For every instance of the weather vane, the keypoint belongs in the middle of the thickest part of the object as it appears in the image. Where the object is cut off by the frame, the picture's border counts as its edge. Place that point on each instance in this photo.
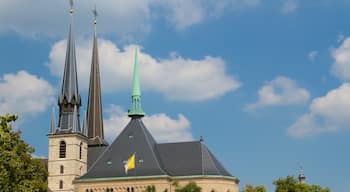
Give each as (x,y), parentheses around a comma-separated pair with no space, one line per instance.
(71,6)
(95,14)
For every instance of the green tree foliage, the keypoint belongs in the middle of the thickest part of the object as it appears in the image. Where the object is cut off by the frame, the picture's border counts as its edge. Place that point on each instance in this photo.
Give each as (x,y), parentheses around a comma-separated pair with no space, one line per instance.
(19,171)
(150,188)
(251,188)
(190,187)
(291,184)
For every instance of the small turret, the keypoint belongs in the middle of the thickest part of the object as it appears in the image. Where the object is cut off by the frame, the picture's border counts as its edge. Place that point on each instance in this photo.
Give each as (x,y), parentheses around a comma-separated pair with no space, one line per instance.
(53,121)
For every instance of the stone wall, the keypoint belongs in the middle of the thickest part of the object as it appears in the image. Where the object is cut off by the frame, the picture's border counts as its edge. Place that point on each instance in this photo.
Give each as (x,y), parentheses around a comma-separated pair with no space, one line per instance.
(208,184)
(73,166)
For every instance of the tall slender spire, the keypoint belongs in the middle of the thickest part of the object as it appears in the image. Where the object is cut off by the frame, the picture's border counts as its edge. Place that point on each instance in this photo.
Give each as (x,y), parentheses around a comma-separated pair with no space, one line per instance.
(94,106)
(136,109)
(69,98)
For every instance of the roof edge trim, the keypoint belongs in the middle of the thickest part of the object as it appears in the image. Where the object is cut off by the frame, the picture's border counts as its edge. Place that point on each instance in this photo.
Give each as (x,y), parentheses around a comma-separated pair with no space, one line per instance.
(156,177)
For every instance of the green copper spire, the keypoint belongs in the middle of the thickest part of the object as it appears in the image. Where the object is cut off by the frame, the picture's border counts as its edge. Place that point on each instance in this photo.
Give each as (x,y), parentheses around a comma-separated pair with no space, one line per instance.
(136,109)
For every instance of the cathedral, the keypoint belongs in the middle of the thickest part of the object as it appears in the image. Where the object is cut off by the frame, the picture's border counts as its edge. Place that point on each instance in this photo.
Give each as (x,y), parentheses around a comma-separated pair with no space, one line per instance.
(80,159)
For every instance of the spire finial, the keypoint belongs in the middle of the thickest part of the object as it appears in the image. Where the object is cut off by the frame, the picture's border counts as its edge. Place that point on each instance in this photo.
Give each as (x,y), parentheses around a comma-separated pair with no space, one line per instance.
(136,109)
(94,11)
(71,11)
(301,176)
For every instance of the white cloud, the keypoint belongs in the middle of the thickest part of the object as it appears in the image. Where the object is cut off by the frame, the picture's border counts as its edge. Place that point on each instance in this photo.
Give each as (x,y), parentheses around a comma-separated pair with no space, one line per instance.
(312,55)
(24,93)
(280,91)
(289,6)
(176,77)
(185,13)
(341,65)
(37,18)
(160,125)
(330,113)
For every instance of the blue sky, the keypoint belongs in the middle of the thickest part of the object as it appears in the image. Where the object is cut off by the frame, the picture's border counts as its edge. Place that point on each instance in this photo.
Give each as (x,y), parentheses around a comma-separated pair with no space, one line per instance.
(265,82)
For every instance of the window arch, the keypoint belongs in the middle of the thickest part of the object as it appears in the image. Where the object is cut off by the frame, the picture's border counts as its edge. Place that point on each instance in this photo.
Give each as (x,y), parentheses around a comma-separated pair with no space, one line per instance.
(62,149)
(61,169)
(132,189)
(80,150)
(61,184)
(128,189)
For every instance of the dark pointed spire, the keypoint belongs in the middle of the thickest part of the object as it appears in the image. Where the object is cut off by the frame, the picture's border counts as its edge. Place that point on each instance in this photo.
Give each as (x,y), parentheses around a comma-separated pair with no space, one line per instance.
(70,91)
(69,99)
(136,109)
(53,122)
(94,106)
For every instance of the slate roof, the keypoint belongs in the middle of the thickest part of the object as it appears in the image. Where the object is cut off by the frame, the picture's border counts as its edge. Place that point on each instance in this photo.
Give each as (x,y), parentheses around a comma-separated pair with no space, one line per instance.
(189,158)
(152,159)
(135,138)
(93,153)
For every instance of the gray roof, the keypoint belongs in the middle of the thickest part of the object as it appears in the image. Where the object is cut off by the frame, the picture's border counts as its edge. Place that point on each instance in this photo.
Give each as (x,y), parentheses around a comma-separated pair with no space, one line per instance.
(93,153)
(152,159)
(189,158)
(135,138)
(94,106)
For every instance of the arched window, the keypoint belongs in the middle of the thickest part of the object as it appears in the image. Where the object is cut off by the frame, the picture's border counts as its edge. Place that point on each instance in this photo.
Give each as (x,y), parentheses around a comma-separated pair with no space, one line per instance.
(80,150)
(61,184)
(61,169)
(128,189)
(132,189)
(62,149)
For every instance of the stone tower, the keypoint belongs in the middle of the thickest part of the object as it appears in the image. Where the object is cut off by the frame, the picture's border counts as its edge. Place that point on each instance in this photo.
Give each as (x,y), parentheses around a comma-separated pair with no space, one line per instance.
(67,157)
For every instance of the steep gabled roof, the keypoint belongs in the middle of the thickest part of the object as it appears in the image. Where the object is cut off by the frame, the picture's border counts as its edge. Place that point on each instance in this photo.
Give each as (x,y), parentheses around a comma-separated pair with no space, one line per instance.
(135,138)
(188,159)
(93,153)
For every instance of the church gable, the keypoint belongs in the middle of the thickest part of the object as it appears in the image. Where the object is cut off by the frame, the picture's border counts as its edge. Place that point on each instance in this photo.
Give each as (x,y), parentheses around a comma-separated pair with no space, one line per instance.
(134,139)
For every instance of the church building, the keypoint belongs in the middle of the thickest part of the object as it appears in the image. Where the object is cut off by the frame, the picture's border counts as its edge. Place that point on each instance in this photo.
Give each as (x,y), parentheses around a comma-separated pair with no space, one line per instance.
(80,159)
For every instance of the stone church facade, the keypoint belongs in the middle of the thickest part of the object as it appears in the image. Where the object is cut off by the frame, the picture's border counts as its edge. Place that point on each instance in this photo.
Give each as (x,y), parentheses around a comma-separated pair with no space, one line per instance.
(80,159)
